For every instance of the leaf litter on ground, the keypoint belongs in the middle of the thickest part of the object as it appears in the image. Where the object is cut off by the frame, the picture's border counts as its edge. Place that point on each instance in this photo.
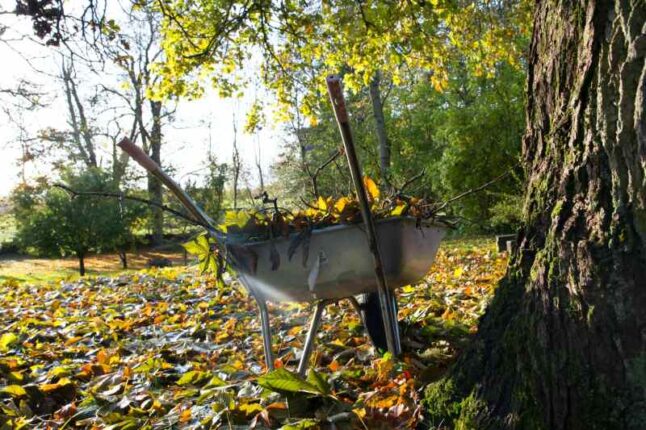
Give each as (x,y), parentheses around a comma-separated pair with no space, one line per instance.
(169,348)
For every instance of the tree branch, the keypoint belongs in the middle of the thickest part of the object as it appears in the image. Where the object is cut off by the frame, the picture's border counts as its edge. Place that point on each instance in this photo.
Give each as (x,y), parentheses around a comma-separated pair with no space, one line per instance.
(475,190)
(76,193)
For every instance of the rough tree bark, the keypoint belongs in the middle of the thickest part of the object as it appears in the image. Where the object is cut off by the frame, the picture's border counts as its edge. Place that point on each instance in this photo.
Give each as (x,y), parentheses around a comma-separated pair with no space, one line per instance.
(563,344)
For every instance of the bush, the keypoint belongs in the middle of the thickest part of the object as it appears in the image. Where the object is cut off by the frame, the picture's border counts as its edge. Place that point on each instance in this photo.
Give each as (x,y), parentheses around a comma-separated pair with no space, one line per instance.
(50,222)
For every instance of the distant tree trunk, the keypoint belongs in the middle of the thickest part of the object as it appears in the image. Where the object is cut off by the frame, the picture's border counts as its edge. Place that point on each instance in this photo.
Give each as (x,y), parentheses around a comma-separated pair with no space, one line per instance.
(154,186)
(380,129)
(563,344)
(236,162)
(259,166)
(81,258)
(81,131)
(123,256)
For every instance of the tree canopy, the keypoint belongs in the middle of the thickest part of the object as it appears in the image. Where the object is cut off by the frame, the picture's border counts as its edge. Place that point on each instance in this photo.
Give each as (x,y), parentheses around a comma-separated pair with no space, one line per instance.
(298,42)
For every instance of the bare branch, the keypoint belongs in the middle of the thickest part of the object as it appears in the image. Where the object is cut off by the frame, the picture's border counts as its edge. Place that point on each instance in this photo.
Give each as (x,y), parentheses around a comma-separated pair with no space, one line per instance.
(75,193)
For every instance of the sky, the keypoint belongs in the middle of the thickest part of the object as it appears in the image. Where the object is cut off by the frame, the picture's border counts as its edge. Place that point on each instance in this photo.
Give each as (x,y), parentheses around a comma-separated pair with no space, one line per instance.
(186,140)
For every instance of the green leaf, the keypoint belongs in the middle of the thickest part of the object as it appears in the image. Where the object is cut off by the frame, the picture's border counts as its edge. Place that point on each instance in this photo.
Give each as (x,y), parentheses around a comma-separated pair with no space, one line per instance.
(193,377)
(317,380)
(197,246)
(307,423)
(282,380)
(7,340)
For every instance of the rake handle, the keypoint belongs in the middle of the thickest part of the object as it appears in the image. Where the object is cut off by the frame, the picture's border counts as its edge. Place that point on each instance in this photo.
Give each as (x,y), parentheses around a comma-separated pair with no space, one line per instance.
(150,165)
(137,154)
(385,295)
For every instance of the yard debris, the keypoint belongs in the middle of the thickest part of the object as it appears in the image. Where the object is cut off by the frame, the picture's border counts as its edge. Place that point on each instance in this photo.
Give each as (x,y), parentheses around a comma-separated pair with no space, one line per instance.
(168,348)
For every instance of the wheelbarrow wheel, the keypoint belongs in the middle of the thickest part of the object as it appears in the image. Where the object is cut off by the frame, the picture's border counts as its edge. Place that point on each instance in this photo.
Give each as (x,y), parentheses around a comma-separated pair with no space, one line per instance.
(373,320)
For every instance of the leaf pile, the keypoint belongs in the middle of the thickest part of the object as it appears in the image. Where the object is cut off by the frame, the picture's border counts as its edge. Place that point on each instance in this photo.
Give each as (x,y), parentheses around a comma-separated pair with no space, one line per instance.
(170,349)
(243,226)
(324,212)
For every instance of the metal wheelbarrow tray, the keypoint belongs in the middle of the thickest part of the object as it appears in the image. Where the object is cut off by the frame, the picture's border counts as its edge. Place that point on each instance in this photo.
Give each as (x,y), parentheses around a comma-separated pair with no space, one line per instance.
(339,266)
(339,263)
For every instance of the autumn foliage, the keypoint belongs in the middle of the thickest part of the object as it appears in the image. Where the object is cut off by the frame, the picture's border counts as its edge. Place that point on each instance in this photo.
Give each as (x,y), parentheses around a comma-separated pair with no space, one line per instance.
(165,348)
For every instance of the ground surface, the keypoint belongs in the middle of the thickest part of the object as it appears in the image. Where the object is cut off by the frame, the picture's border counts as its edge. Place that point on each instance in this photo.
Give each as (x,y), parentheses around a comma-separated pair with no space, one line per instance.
(170,349)
(28,269)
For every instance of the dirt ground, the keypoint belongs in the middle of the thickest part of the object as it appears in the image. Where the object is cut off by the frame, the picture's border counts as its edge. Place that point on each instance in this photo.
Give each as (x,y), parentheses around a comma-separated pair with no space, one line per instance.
(25,268)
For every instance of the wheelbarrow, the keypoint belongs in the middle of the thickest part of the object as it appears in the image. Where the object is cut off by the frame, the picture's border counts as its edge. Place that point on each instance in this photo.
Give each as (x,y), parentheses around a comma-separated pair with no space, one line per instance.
(339,265)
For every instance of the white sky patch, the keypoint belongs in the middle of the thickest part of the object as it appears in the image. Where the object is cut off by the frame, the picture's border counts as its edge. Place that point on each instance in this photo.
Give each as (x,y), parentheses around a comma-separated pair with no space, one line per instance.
(186,139)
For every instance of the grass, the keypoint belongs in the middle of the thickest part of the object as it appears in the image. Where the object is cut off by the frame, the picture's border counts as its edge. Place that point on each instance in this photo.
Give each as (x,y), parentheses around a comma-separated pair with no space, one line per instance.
(34,270)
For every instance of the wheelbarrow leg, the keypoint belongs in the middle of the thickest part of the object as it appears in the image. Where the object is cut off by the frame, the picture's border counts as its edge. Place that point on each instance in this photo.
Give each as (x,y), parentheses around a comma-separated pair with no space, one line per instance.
(374,322)
(311,336)
(266,333)
(395,323)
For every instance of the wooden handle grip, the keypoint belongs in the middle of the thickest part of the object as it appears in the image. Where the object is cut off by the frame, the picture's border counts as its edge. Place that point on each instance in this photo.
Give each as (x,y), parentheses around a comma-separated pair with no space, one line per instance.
(336,96)
(138,155)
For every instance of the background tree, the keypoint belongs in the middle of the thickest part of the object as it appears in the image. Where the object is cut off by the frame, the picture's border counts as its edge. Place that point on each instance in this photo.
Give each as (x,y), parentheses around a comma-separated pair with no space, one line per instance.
(51,222)
(562,344)
(134,50)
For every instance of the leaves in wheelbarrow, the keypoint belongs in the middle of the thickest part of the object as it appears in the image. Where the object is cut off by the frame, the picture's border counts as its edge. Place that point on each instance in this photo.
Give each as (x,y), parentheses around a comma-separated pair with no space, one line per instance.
(202,247)
(302,239)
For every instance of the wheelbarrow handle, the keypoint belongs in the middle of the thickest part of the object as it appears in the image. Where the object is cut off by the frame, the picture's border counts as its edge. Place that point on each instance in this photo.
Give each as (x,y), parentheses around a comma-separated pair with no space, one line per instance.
(385,298)
(150,165)
(137,154)
(336,96)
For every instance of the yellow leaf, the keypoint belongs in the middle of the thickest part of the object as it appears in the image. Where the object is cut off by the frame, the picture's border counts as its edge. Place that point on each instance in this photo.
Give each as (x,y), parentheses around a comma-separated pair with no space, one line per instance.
(7,340)
(458,272)
(102,357)
(334,366)
(250,408)
(72,340)
(235,219)
(321,204)
(448,314)
(371,188)
(185,416)
(341,204)
(408,289)
(46,388)
(14,390)
(360,412)
(398,210)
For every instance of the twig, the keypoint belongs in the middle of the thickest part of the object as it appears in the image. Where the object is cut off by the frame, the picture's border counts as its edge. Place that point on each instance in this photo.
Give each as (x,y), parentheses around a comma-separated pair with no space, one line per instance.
(328,162)
(475,190)
(307,204)
(76,193)
(411,180)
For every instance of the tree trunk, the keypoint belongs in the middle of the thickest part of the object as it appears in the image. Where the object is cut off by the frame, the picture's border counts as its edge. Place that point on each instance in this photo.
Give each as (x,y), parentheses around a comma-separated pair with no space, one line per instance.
(235,161)
(154,185)
(123,256)
(81,258)
(563,343)
(380,129)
